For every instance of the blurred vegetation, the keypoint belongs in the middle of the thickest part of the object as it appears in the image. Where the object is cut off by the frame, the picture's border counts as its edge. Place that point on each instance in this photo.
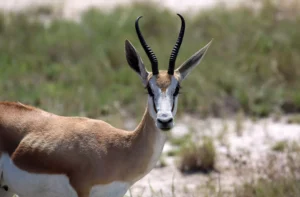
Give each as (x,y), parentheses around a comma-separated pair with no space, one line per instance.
(79,67)
(286,186)
(279,178)
(194,157)
(294,119)
(280,146)
(286,146)
(180,141)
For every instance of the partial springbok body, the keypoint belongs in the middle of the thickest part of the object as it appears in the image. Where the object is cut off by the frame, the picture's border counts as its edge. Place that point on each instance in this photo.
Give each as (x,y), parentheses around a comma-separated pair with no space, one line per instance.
(46,155)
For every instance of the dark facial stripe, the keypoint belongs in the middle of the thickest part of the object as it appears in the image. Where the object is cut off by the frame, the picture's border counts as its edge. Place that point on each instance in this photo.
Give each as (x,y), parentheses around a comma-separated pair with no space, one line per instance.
(173,103)
(150,92)
(176,92)
(154,106)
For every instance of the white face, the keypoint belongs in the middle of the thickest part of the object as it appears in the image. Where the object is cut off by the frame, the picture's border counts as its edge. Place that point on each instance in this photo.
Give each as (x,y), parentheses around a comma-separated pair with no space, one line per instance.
(162,103)
(163,91)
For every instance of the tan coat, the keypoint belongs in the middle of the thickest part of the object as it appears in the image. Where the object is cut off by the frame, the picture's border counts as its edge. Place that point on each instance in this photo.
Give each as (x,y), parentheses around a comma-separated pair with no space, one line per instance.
(88,151)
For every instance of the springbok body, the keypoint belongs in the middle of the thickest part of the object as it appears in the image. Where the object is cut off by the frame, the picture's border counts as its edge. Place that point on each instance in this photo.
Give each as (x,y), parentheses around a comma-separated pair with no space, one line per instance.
(46,155)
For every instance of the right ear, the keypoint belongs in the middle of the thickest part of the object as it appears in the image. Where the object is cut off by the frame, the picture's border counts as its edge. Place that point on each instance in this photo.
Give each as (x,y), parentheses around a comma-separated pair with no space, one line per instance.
(192,62)
(135,62)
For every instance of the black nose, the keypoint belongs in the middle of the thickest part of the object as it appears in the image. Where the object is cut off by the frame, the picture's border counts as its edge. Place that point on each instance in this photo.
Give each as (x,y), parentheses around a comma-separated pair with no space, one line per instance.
(165,121)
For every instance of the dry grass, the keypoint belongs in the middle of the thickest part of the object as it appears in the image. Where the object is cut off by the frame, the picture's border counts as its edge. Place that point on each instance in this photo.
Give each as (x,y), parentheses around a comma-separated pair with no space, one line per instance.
(294,119)
(194,157)
(239,121)
(280,146)
(279,177)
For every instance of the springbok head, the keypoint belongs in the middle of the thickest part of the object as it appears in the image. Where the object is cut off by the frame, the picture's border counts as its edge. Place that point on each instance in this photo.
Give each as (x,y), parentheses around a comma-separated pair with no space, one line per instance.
(163,86)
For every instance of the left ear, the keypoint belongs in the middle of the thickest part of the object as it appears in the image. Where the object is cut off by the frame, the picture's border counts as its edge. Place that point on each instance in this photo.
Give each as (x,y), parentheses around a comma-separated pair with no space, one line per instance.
(192,62)
(135,62)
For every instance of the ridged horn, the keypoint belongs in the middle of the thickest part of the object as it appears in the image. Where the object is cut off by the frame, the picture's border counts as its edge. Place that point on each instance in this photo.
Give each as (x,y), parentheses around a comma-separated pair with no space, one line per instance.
(176,47)
(147,49)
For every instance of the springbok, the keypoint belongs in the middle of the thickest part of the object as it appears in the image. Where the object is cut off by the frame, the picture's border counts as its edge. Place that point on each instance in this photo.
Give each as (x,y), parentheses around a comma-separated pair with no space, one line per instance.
(46,155)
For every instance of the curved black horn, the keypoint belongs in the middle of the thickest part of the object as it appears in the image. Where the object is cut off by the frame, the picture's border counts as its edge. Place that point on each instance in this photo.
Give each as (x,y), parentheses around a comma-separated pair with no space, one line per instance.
(176,47)
(147,49)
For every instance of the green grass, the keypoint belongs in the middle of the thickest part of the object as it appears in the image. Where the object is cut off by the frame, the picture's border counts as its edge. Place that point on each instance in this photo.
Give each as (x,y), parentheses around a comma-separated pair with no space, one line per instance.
(180,141)
(284,145)
(79,68)
(280,146)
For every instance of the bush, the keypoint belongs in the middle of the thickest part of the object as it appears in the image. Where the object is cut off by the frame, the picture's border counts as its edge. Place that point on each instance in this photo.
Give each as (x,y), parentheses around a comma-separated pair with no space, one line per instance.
(194,157)
(253,59)
(280,146)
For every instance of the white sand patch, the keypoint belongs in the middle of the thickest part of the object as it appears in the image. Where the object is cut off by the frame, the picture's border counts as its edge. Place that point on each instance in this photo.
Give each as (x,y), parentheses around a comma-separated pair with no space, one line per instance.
(250,146)
(74,7)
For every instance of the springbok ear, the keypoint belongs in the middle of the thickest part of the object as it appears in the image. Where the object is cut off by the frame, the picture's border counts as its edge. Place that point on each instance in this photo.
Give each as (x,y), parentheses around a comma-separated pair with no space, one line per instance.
(135,62)
(192,62)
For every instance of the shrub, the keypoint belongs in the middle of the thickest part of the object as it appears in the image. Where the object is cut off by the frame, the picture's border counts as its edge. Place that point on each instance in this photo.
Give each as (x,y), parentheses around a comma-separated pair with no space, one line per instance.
(194,157)
(49,64)
(280,146)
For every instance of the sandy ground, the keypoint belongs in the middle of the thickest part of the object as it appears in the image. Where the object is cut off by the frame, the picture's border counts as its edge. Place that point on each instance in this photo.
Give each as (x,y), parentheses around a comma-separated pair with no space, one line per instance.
(238,142)
(74,7)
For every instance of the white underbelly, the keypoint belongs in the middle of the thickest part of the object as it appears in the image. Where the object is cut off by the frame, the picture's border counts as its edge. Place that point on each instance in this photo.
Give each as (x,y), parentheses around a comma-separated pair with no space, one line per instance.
(34,185)
(26,184)
(114,189)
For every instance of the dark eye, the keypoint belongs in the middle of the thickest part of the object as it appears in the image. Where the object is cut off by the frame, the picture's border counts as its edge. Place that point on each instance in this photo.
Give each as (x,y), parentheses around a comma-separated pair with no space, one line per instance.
(176,92)
(150,92)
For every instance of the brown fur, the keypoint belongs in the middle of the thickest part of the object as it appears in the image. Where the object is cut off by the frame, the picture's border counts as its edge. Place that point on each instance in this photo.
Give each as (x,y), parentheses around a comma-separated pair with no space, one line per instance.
(163,79)
(89,152)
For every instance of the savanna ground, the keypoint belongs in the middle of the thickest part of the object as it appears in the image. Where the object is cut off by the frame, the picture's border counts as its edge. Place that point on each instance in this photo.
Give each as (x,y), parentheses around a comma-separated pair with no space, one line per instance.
(237,130)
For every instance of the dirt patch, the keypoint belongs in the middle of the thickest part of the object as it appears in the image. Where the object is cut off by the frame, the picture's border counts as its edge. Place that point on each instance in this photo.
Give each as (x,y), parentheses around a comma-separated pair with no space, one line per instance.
(239,156)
